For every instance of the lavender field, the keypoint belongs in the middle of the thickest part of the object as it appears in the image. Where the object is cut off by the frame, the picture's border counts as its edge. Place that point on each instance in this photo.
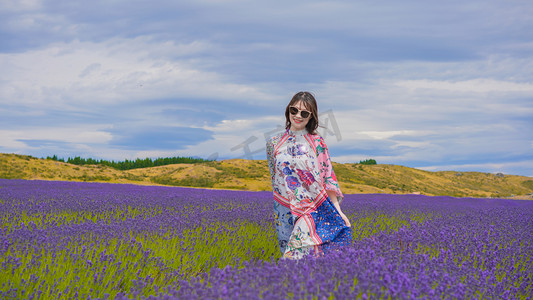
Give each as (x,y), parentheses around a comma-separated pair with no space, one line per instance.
(96,240)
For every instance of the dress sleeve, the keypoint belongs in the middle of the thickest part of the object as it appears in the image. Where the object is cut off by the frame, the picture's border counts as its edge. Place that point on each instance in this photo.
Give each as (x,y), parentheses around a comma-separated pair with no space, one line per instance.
(270,158)
(326,169)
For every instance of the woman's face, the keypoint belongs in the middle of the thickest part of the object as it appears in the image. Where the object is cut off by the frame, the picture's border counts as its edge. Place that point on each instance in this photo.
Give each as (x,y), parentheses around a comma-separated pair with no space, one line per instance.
(297,121)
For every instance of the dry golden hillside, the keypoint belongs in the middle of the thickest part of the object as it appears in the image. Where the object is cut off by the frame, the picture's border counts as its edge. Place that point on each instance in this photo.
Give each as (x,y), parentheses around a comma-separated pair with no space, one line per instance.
(254,175)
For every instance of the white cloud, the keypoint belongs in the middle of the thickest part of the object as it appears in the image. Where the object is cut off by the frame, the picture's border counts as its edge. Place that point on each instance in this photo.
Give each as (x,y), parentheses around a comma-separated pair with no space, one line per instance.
(251,126)
(504,167)
(469,86)
(230,134)
(411,144)
(118,70)
(380,135)
(20,5)
(81,134)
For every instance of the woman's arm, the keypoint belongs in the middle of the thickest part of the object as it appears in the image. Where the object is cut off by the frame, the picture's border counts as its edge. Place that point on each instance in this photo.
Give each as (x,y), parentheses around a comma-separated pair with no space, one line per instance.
(328,177)
(326,169)
(333,197)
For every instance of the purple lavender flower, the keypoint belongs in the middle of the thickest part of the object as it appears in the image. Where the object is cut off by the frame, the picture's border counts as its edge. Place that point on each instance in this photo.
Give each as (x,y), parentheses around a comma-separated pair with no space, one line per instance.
(405,246)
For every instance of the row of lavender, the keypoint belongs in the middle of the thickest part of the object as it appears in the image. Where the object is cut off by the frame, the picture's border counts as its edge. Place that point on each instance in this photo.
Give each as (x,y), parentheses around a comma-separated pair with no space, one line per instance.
(80,240)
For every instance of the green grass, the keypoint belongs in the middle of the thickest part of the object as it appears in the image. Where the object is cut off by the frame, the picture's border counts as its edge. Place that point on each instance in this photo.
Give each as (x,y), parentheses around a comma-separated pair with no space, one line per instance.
(374,223)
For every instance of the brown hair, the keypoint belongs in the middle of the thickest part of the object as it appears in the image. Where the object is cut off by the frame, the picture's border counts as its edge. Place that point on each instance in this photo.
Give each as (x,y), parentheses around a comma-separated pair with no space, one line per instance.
(310,104)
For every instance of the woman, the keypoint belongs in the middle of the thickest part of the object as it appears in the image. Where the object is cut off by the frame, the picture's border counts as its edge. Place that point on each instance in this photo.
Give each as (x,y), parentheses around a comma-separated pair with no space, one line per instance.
(308,217)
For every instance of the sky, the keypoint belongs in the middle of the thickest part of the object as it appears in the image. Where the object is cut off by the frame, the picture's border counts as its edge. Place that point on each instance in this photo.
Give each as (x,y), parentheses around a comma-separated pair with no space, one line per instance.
(434,85)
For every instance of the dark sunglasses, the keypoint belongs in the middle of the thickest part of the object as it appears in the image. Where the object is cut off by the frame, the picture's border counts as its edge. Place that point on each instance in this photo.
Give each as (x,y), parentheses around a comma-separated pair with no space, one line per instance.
(304,113)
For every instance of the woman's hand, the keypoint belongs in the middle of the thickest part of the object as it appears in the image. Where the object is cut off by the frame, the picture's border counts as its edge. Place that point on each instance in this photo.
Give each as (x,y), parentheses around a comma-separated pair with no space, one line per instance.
(333,198)
(345,218)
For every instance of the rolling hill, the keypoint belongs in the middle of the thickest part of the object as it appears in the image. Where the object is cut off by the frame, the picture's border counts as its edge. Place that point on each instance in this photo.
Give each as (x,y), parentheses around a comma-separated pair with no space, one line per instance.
(254,175)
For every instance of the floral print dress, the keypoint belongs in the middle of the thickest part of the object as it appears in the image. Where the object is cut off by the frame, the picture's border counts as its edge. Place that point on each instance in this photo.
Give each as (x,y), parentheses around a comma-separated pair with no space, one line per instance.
(305,219)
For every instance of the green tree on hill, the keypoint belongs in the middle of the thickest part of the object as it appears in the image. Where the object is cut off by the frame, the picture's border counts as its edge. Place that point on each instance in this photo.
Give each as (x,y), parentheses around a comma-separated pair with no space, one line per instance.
(130,164)
(368,162)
